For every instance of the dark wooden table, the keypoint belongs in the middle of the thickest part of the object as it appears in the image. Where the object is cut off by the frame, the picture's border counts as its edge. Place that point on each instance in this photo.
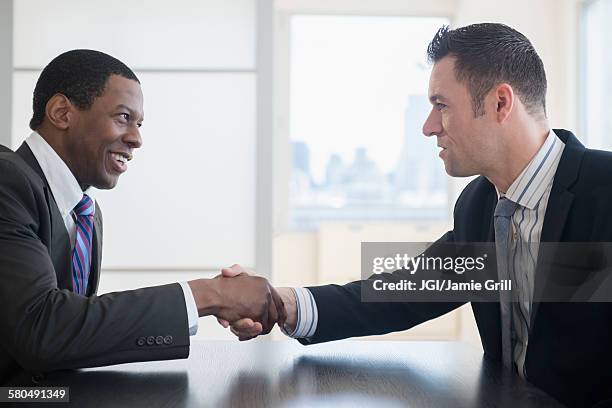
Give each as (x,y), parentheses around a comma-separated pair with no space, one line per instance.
(286,374)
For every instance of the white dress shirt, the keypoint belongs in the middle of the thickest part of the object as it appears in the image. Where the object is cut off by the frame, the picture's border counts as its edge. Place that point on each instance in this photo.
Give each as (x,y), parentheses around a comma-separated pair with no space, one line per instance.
(67,194)
(530,190)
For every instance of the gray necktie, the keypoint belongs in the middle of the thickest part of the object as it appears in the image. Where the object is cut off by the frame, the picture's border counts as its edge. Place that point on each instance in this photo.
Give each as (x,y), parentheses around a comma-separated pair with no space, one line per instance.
(503,215)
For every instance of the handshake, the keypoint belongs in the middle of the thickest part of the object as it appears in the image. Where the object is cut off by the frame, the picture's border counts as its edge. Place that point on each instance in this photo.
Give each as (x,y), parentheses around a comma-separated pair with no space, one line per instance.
(247,304)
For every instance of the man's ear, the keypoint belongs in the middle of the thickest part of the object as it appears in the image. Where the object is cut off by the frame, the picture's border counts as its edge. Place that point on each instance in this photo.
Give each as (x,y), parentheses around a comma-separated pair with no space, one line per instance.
(504,99)
(59,111)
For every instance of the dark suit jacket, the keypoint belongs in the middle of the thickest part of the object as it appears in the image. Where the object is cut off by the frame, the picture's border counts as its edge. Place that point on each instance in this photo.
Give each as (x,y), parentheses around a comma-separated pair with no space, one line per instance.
(569,354)
(43,325)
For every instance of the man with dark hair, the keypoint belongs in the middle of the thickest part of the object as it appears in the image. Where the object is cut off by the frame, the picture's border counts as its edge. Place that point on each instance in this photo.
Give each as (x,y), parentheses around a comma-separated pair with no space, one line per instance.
(488,54)
(534,184)
(88,109)
(81,86)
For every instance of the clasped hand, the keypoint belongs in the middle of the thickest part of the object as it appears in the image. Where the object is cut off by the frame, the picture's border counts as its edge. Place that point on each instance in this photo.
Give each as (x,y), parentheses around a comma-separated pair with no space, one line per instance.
(247,327)
(247,304)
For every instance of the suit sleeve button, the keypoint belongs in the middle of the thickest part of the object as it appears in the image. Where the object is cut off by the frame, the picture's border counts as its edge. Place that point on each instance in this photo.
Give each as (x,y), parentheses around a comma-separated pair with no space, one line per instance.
(150,340)
(141,341)
(168,340)
(159,340)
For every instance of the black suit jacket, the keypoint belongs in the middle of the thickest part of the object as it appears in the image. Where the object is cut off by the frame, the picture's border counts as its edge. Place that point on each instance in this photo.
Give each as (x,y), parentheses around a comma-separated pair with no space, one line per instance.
(569,354)
(43,325)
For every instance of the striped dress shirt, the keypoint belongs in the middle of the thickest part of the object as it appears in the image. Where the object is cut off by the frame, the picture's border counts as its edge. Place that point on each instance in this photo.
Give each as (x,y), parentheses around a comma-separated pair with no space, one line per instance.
(530,191)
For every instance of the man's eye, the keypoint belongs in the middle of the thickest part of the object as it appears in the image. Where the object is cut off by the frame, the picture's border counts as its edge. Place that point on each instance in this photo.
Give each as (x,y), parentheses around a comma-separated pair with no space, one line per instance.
(440,106)
(125,116)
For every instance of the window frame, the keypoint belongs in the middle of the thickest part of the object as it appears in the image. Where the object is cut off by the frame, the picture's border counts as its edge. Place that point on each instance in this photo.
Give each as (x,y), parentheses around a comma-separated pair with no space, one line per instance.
(285,11)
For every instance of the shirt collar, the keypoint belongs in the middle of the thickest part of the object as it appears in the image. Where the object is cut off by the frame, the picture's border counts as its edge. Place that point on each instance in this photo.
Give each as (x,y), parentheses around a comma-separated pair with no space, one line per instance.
(529,187)
(64,186)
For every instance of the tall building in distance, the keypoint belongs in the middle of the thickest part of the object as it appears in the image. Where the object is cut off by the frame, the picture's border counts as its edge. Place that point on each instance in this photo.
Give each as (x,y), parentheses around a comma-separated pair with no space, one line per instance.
(418,168)
(335,171)
(300,185)
(300,157)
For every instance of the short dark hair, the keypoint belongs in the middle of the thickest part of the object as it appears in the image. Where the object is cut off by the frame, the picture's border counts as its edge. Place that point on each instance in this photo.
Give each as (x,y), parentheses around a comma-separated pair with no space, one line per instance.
(488,54)
(80,75)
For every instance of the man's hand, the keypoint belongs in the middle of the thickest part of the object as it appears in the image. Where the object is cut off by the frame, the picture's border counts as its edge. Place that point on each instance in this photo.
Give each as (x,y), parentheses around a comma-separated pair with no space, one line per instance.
(239,297)
(246,329)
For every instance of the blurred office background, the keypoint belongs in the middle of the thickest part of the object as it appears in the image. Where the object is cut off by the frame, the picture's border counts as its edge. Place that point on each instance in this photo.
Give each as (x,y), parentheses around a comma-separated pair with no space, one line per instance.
(293,125)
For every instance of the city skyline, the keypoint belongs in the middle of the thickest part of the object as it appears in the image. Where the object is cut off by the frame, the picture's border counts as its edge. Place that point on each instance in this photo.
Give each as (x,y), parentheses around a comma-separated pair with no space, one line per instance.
(359,189)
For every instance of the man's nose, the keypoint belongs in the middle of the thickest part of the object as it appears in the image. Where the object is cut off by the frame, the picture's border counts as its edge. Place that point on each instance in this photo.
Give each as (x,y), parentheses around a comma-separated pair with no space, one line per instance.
(433,123)
(133,137)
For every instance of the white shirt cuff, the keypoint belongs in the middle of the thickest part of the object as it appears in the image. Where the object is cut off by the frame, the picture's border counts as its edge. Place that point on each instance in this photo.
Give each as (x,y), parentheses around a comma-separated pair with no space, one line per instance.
(307,314)
(192,310)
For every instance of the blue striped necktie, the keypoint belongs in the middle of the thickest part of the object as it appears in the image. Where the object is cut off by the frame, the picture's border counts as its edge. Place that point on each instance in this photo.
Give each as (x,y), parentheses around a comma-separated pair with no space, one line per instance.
(81,255)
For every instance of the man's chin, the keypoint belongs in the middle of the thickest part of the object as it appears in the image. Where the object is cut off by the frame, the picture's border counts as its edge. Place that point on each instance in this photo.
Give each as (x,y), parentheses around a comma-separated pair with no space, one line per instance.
(449,169)
(107,184)
(455,171)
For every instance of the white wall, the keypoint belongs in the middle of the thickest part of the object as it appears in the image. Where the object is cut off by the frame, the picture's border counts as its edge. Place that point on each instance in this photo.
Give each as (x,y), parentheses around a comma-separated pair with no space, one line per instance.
(188,199)
(188,34)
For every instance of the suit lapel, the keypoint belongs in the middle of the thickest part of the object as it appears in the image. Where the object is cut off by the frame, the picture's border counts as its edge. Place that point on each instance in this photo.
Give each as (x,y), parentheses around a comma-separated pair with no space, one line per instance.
(60,248)
(557,210)
(59,244)
(480,228)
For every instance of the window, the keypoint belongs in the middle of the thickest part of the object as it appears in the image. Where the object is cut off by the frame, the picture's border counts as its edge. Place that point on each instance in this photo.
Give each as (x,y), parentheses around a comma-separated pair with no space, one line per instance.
(358,100)
(596,69)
